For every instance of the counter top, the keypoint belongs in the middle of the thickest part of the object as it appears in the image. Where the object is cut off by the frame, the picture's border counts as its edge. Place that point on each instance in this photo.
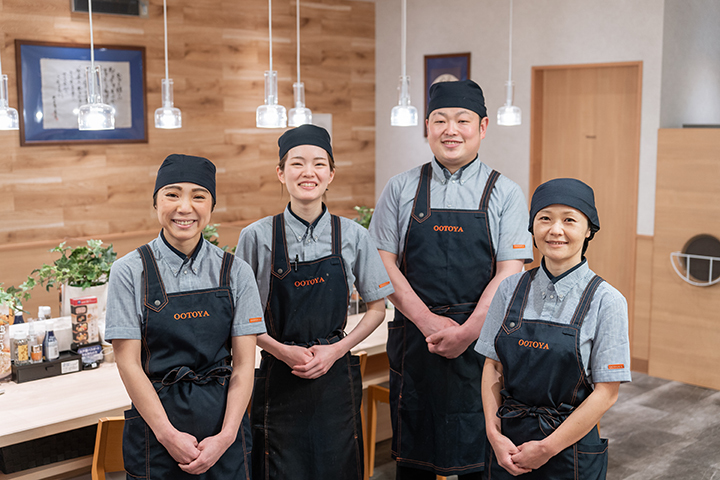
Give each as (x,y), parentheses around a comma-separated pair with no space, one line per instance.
(53,405)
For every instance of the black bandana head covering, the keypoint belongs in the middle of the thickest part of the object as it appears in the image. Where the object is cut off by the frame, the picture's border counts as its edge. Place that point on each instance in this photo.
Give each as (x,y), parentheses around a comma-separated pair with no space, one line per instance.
(305,135)
(566,191)
(462,94)
(179,168)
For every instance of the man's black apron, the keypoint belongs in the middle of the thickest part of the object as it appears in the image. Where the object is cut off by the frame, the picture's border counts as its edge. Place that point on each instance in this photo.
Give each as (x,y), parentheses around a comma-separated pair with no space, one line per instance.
(307,429)
(186,356)
(436,406)
(545,381)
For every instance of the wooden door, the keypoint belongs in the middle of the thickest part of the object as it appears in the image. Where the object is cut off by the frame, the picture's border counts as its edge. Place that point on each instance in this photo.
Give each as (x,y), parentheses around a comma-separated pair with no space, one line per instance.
(586,124)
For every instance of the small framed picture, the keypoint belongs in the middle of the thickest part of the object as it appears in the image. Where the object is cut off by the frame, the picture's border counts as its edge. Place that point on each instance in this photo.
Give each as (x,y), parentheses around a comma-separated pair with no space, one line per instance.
(52,86)
(445,68)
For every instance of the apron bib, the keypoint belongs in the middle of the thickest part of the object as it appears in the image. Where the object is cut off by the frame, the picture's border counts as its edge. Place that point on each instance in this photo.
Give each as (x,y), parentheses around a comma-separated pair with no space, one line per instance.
(544,382)
(307,429)
(436,406)
(186,356)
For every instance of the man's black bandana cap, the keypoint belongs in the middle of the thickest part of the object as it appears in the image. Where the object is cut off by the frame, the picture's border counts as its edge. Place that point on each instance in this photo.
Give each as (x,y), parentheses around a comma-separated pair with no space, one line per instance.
(463,94)
(305,135)
(566,191)
(178,168)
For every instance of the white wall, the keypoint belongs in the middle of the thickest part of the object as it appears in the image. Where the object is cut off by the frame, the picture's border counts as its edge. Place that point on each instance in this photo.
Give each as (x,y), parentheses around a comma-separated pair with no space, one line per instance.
(691,59)
(546,32)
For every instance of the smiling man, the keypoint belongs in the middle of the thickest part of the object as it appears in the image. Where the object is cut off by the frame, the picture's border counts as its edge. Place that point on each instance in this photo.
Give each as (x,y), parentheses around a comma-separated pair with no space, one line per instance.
(448,233)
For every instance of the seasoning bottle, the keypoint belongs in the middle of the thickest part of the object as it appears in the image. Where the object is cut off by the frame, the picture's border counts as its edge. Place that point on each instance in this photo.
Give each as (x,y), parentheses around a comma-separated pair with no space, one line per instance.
(44,313)
(22,356)
(35,349)
(52,350)
(18,316)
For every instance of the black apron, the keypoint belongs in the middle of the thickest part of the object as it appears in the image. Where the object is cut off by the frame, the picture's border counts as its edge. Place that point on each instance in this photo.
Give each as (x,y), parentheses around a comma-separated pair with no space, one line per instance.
(435,402)
(307,429)
(186,356)
(544,382)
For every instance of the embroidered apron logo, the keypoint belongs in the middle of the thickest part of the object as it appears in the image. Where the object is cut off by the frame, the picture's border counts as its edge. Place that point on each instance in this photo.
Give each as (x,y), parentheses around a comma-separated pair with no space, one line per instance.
(447,228)
(186,315)
(312,281)
(529,344)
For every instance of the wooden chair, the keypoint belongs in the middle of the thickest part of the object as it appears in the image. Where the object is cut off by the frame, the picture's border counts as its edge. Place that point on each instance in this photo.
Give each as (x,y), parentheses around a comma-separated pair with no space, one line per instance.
(108,447)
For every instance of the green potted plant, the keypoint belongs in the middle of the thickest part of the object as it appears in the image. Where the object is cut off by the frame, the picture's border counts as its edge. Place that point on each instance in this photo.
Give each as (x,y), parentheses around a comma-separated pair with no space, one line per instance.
(364,215)
(80,271)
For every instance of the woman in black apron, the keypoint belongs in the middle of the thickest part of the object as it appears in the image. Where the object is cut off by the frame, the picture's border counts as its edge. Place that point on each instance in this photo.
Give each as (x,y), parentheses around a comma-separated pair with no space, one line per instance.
(556,339)
(179,310)
(308,391)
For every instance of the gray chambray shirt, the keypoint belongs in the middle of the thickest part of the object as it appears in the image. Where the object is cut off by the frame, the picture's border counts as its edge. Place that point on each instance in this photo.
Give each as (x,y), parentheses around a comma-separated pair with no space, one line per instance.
(125,294)
(604,342)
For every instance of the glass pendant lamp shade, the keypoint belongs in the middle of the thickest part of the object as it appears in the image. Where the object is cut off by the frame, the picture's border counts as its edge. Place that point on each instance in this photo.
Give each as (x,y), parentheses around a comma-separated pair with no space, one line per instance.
(168,116)
(271,115)
(95,115)
(299,115)
(8,115)
(509,115)
(404,114)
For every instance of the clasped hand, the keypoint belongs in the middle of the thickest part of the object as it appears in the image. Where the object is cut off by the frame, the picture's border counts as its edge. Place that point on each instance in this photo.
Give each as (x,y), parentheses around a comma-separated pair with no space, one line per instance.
(193,457)
(447,338)
(313,362)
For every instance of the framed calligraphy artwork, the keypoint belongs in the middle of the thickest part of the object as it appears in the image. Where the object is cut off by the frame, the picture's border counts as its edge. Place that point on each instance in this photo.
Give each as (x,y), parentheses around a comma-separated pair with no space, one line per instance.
(52,85)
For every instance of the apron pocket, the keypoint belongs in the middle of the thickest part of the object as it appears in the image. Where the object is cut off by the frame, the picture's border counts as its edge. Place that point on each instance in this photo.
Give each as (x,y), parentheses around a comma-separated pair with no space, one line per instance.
(135,450)
(592,459)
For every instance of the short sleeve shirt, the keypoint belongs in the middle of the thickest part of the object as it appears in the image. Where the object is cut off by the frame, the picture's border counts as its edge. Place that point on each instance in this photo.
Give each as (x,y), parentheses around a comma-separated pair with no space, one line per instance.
(604,342)
(125,293)
(507,209)
(363,266)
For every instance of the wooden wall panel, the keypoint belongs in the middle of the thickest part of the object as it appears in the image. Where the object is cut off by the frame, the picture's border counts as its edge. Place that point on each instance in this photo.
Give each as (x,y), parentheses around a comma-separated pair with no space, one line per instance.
(685,323)
(218,51)
(640,331)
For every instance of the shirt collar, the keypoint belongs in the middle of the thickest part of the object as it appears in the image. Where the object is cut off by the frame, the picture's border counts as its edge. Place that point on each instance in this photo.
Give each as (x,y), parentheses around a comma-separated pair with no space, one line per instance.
(567,280)
(174,258)
(469,170)
(301,229)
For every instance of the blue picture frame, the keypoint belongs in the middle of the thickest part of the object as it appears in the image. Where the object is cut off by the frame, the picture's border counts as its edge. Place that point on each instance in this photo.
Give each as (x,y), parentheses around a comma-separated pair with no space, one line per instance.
(29,55)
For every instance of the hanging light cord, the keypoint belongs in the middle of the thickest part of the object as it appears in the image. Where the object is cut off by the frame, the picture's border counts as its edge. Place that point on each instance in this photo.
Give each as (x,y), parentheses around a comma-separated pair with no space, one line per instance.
(404,38)
(270,29)
(510,47)
(167,76)
(92,44)
(297,18)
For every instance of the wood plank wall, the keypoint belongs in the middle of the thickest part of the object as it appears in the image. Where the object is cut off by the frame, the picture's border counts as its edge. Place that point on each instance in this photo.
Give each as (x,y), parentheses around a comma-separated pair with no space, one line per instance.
(218,51)
(685,319)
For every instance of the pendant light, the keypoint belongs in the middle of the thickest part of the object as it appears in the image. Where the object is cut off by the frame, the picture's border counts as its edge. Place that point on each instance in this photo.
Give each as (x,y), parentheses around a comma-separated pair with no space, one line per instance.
(167,116)
(404,114)
(8,115)
(299,115)
(271,115)
(95,115)
(509,115)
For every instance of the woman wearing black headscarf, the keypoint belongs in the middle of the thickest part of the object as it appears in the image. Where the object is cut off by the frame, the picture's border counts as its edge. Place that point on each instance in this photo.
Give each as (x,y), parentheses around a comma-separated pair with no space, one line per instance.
(556,342)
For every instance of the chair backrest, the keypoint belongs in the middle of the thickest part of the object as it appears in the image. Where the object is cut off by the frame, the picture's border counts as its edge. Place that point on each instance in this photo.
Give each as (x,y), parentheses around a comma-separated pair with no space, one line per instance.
(108,447)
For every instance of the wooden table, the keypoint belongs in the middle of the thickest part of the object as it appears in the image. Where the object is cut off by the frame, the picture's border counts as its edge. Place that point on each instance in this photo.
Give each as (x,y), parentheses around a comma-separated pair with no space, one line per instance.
(54,405)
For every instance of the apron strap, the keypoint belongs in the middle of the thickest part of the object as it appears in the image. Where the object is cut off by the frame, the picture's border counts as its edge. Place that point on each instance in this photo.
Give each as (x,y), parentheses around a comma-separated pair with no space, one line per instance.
(336,235)
(155,297)
(225,270)
(585,300)
(514,312)
(280,263)
(421,205)
(549,418)
(489,186)
(184,373)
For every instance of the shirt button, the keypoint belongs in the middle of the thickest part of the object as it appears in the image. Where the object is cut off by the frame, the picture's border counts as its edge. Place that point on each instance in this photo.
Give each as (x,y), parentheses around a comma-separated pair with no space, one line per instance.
(552,296)
(512,324)
(449,206)
(444,182)
(454,181)
(299,238)
(185,272)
